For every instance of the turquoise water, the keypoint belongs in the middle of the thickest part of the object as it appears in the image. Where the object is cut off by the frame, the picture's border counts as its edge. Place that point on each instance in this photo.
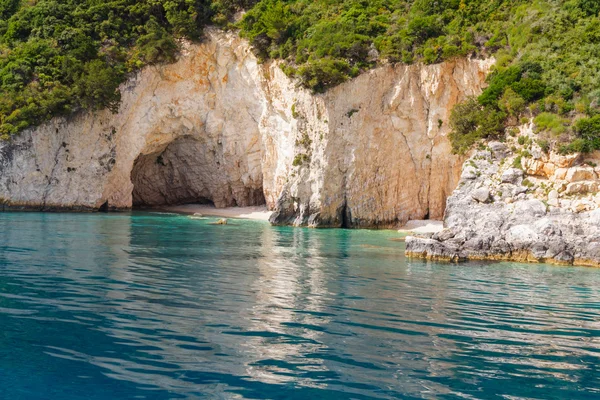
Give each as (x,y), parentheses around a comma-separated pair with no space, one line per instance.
(157,306)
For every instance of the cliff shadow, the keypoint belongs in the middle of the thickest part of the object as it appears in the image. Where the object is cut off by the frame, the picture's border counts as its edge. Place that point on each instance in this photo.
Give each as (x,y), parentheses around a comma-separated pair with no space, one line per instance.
(190,170)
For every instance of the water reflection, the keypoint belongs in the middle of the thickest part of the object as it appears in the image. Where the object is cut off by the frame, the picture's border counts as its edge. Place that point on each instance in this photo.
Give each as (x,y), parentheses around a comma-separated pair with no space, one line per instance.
(290,278)
(119,306)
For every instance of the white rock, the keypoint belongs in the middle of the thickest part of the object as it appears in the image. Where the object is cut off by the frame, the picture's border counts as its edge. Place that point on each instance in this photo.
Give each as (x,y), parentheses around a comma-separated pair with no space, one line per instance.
(521,234)
(560,173)
(578,206)
(530,208)
(512,175)
(220,126)
(469,173)
(582,187)
(576,174)
(481,195)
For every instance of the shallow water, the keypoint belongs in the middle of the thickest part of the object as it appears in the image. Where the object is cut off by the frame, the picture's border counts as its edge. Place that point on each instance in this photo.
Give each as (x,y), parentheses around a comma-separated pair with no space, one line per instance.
(159,306)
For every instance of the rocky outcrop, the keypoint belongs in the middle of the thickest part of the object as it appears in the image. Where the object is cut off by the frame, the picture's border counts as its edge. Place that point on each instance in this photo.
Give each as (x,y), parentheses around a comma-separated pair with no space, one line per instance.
(531,212)
(218,127)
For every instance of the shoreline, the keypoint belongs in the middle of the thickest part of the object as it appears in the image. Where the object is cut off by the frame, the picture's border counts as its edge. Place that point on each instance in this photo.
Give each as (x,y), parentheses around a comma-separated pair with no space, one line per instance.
(257,213)
(520,257)
(261,213)
(422,226)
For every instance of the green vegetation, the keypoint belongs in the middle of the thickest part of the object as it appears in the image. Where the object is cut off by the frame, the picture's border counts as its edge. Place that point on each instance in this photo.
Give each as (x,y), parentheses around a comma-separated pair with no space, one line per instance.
(545,51)
(588,136)
(350,113)
(518,162)
(471,122)
(60,56)
(527,183)
(544,145)
(545,70)
(300,159)
(552,123)
(326,42)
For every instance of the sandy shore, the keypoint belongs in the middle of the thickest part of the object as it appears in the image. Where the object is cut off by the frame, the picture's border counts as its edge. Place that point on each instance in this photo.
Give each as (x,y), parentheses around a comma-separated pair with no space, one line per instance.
(259,213)
(422,226)
(262,214)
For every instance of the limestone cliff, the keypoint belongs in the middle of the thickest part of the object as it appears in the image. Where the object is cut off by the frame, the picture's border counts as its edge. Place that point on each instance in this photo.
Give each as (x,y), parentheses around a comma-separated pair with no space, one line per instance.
(218,127)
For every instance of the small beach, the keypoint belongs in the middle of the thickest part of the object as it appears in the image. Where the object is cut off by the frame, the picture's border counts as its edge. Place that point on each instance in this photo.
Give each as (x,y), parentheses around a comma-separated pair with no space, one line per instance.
(422,226)
(256,212)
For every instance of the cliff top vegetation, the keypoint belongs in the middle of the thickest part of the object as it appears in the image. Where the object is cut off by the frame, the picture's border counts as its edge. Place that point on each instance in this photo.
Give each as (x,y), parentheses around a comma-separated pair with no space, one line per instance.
(60,56)
(547,52)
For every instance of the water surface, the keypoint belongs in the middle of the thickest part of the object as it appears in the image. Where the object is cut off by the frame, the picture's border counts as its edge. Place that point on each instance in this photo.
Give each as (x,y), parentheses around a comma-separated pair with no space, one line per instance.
(159,306)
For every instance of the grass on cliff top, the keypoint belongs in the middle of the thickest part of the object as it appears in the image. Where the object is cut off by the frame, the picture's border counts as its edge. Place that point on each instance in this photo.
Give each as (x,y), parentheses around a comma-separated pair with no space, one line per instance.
(57,57)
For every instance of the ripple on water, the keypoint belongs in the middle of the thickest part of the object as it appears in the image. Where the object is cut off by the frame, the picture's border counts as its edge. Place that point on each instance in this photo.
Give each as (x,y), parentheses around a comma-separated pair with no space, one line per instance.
(160,306)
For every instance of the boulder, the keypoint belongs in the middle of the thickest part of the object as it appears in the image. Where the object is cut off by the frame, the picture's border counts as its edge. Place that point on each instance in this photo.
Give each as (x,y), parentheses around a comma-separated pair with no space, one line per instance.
(560,174)
(565,161)
(529,209)
(577,174)
(499,149)
(582,187)
(469,173)
(538,167)
(521,236)
(512,175)
(481,195)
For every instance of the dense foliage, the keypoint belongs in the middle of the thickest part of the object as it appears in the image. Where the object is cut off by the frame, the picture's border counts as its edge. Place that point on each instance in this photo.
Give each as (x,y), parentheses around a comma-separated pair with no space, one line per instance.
(57,56)
(547,52)
(328,41)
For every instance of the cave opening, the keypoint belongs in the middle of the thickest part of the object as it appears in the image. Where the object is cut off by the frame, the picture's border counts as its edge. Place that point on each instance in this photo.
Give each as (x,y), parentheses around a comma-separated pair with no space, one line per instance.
(345,216)
(190,171)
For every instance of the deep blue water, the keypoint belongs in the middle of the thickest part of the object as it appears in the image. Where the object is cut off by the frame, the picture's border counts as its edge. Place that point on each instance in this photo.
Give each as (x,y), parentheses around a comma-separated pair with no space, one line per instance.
(158,306)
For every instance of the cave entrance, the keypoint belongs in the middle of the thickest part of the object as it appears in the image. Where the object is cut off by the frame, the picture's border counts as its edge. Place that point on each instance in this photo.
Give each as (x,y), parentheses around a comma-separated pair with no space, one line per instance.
(189,171)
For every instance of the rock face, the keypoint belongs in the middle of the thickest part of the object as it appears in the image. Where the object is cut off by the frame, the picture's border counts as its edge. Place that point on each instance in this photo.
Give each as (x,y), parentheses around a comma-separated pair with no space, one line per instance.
(371,152)
(528,218)
(183,131)
(218,127)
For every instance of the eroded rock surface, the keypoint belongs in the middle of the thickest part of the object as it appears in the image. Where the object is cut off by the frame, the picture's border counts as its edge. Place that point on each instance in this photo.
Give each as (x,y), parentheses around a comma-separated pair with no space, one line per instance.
(371,152)
(531,215)
(192,124)
(218,127)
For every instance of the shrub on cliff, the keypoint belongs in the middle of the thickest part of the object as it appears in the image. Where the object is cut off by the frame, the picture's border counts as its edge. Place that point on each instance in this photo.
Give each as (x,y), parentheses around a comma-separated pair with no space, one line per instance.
(321,74)
(544,48)
(57,57)
(588,134)
(471,121)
